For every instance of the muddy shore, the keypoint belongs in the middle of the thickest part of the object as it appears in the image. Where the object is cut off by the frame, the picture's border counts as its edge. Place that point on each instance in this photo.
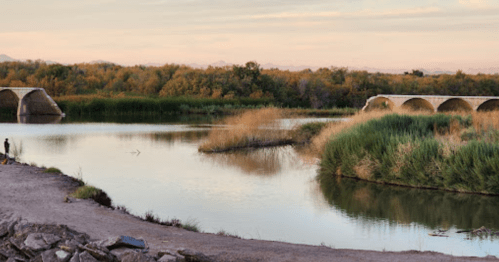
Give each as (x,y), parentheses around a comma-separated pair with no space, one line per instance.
(38,197)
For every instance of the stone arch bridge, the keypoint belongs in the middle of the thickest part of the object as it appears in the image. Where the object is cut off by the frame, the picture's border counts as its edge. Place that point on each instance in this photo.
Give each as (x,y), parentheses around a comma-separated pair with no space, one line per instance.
(433,103)
(28,101)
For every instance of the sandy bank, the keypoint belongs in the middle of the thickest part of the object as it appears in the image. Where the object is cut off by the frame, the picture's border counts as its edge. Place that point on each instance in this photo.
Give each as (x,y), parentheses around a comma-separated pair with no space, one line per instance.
(38,197)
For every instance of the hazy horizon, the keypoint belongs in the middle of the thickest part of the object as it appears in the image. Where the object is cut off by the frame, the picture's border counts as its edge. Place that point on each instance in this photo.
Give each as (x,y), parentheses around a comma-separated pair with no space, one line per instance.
(448,35)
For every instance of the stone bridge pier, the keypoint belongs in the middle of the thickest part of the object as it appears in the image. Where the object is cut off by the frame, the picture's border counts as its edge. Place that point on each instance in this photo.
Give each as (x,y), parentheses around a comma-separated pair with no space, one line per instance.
(433,103)
(28,101)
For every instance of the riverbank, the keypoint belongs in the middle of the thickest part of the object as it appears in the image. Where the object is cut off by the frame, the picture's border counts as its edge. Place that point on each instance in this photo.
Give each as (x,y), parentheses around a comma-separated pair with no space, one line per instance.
(39,197)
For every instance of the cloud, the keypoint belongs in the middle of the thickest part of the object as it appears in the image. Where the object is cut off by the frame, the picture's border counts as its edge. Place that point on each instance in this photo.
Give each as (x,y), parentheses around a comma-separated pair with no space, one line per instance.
(358,14)
(474,3)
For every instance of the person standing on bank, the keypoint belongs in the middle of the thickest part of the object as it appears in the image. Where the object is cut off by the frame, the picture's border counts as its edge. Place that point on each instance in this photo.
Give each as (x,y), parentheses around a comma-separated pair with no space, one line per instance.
(7,146)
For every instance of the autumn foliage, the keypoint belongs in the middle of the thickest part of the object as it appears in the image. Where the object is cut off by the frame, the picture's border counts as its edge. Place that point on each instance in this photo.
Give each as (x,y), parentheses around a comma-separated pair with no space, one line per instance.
(322,88)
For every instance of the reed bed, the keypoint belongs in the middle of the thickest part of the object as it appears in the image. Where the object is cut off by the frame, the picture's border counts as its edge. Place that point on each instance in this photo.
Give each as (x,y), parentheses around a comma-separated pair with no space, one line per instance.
(319,141)
(253,128)
(456,152)
(119,105)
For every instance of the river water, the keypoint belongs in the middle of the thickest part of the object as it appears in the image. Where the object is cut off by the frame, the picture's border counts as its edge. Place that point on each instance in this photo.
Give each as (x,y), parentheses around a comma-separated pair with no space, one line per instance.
(268,194)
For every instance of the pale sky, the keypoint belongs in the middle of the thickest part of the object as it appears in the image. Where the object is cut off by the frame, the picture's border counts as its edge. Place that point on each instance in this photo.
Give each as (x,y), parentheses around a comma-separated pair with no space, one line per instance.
(447,34)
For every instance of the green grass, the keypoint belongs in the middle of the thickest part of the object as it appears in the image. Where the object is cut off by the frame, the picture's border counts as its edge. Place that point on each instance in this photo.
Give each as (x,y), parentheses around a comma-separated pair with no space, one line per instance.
(99,196)
(306,131)
(191,225)
(414,151)
(222,232)
(52,170)
(85,192)
(156,106)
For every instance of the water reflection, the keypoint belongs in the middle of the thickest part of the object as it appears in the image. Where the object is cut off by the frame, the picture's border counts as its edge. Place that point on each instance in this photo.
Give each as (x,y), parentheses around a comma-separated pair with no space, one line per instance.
(143,119)
(169,137)
(435,209)
(39,119)
(264,162)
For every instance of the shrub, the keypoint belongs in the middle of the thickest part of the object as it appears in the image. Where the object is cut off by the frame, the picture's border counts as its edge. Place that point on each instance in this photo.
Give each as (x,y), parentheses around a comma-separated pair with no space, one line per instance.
(52,170)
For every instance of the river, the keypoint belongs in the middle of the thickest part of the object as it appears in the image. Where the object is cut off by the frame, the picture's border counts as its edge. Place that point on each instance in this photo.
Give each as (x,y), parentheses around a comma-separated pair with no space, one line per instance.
(268,194)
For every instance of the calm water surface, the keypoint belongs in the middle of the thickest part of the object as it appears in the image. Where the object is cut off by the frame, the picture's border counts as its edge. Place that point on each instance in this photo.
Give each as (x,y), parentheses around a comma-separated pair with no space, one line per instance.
(266,194)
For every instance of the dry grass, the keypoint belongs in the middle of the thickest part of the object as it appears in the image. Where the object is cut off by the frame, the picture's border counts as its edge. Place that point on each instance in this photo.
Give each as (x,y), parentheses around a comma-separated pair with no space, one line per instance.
(402,151)
(250,127)
(485,121)
(364,168)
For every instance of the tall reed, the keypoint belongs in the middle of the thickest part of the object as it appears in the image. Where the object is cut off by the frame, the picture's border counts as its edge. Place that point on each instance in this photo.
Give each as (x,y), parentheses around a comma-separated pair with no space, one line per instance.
(252,127)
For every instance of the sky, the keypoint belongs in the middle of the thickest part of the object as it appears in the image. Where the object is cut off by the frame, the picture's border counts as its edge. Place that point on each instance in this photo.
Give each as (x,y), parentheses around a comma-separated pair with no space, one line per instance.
(444,34)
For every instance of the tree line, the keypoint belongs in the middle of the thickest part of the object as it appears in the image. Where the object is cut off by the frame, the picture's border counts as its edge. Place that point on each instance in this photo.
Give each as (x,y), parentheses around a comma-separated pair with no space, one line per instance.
(322,88)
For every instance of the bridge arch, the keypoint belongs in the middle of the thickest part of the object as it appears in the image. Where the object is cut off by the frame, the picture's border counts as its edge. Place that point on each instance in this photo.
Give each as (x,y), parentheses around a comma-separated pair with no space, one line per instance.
(9,100)
(489,105)
(454,104)
(37,102)
(418,104)
(379,103)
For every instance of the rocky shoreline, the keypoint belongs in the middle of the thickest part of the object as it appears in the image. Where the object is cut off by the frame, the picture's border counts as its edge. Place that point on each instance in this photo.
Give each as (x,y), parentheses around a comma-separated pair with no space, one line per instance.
(38,222)
(24,241)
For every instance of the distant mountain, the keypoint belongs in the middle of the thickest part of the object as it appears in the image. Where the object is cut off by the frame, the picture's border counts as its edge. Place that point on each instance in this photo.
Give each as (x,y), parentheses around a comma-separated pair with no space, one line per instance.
(100,62)
(5,58)
(221,63)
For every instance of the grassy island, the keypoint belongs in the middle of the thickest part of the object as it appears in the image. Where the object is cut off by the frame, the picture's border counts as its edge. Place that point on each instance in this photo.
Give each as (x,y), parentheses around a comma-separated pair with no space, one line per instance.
(258,128)
(458,152)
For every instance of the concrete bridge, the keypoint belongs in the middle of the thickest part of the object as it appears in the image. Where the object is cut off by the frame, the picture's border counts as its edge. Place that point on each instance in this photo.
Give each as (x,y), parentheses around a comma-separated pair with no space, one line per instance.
(433,103)
(28,101)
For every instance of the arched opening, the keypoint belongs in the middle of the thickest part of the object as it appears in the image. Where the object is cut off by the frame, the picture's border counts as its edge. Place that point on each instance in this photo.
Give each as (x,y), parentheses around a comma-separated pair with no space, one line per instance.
(455,104)
(379,103)
(417,104)
(489,105)
(8,102)
(37,102)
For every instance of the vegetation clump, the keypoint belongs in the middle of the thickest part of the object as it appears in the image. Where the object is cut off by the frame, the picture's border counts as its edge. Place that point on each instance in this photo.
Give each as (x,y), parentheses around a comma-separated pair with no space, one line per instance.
(253,128)
(94,193)
(306,132)
(52,170)
(190,225)
(451,152)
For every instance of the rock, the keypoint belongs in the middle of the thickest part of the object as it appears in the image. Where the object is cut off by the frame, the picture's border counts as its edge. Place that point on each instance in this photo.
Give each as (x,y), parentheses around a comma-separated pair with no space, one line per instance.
(119,252)
(55,255)
(136,257)
(99,252)
(76,257)
(167,258)
(16,242)
(3,231)
(86,257)
(36,242)
(50,239)
(69,245)
(8,251)
(16,259)
(193,256)
(63,255)
(10,227)
(81,238)
(123,241)
(167,252)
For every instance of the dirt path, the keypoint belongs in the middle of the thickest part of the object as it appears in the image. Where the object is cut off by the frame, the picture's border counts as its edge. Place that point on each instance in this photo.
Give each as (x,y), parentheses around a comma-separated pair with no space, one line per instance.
(38,197)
